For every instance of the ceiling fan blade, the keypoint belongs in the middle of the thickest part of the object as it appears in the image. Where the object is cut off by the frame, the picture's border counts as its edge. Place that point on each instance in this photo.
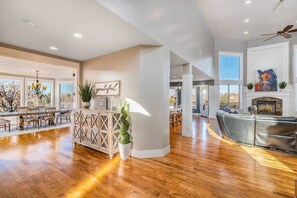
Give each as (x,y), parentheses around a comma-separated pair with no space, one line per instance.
(270,34)
(295,30)
(287,28)
(286,35)
(270,38)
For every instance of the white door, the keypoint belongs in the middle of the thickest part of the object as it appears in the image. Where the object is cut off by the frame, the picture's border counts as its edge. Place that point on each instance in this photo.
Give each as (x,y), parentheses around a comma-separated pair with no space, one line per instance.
(204,101)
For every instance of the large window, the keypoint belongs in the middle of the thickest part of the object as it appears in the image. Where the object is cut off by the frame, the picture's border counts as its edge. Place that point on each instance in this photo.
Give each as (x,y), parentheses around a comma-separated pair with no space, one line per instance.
(230,96)
(66,95)
(194,102)
(230,74)
(10,94)
(172,97)
(44,98)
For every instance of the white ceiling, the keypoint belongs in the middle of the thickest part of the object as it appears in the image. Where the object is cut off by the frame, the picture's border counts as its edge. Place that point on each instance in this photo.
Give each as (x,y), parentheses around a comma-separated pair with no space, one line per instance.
(177,24)
(28,68)
(226,18)
(56,21)
(176,69)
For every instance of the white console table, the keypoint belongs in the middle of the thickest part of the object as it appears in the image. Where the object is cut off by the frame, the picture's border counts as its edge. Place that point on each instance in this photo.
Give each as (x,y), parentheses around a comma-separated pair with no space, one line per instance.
(97,129)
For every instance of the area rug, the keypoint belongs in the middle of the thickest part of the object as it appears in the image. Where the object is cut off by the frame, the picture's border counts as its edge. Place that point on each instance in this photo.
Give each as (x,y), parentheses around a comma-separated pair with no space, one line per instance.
(14,131)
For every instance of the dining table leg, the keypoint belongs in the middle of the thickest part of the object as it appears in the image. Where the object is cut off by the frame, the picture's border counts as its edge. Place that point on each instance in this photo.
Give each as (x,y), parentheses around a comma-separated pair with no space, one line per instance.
(21,123)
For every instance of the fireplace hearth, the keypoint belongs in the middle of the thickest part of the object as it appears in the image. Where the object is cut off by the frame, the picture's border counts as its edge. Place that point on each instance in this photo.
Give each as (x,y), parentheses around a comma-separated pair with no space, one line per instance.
(268,105)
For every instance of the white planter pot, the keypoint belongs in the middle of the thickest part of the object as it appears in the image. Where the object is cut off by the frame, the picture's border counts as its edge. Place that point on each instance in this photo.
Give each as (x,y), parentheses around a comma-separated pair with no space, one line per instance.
(124,150)
(86,105)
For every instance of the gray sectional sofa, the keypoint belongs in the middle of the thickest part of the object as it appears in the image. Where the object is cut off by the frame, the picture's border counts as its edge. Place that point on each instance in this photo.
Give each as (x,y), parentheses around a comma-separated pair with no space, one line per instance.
(256,130)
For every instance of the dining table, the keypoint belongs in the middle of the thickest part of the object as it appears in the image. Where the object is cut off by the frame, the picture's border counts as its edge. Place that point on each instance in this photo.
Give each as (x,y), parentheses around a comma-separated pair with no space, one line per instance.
(22,114)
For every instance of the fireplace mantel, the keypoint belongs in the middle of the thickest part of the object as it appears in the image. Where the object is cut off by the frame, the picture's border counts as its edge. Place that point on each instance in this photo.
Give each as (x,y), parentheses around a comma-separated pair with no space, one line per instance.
(276,94)
(281,94)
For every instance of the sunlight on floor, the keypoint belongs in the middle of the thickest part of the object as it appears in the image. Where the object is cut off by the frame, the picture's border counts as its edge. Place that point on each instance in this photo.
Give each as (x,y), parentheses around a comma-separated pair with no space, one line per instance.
(216,136)
(87,185)
(264,158)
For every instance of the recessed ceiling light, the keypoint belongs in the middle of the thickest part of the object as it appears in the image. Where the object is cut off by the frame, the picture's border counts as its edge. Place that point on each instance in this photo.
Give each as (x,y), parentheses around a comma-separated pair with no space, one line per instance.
(246,32)
(53,48)
(247,20)
(248,2)
(77,35)
(29,23)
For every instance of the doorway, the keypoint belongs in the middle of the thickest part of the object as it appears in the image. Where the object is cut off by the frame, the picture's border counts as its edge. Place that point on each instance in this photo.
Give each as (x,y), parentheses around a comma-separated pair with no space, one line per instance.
(203,100)
(200,100)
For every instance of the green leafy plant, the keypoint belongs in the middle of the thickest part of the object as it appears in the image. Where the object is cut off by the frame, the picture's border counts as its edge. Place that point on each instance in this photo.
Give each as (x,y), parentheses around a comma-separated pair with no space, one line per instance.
(125,136)
(282,85)
(86,91)
(250,86)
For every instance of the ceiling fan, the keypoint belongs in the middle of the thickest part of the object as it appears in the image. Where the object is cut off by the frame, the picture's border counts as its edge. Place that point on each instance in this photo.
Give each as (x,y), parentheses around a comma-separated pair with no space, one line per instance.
(286,31)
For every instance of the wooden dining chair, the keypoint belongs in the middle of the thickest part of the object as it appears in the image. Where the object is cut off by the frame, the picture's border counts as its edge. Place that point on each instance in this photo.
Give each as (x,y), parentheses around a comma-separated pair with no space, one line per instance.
(5,124)
(31,117)
(66,115)
(49,116)
(20,118)
(179,118)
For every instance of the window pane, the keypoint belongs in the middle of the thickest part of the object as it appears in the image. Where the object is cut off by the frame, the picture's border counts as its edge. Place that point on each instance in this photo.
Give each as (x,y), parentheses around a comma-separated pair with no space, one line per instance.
(194,106)
(10,95)
(223,96)
(234,96)
(43,98)
(172,97)
(66,96)
(229,67)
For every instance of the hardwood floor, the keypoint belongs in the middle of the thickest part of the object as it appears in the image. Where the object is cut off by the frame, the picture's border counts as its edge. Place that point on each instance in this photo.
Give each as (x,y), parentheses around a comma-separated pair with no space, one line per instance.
(46,164)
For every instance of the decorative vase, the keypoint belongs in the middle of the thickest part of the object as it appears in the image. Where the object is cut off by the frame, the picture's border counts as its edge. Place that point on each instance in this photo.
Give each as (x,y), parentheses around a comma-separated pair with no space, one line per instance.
(124,150)
(86,105)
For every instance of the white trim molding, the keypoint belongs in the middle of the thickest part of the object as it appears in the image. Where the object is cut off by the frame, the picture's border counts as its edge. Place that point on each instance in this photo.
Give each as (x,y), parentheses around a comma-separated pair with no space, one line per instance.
(151,153)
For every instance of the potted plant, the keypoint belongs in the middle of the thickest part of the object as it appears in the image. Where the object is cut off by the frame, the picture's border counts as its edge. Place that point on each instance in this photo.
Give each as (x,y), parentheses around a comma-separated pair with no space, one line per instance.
(250,86)
(86,92)
(282,85)
(125,137)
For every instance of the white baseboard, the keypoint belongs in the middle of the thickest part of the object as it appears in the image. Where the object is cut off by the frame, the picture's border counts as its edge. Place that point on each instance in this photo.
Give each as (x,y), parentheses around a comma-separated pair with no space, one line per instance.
(151,153)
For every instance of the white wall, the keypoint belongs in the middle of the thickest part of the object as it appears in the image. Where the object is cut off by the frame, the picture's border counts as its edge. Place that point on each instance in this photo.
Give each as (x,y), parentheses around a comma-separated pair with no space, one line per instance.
(214,100)
(292,41)
(180,27)
(154,95)
(144,75)
(274,56)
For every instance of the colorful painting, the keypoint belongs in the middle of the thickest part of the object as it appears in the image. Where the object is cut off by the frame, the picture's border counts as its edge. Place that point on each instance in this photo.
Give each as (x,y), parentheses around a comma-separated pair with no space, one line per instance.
(267,80)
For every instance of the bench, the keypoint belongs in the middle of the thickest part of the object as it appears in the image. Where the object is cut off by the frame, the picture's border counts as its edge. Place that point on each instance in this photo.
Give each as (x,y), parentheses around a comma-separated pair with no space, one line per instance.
(4,123)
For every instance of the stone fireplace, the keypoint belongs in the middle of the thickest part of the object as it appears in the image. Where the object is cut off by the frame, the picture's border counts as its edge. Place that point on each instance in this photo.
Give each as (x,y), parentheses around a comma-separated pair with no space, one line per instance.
(268,105)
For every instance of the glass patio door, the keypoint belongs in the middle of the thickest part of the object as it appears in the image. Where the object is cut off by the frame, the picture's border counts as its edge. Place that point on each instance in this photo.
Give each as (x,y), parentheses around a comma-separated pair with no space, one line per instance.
(204,101)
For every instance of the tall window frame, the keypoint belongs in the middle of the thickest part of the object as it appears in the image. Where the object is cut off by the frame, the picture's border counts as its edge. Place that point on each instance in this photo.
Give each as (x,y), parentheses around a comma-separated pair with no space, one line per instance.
(232,83)
(295,74)
(58,92)
(52,82)
(21,79)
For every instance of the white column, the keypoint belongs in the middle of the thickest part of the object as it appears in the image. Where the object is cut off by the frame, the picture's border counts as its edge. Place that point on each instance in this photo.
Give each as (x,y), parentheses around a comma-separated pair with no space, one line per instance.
(187,79)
